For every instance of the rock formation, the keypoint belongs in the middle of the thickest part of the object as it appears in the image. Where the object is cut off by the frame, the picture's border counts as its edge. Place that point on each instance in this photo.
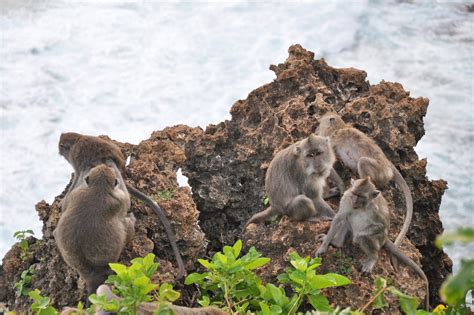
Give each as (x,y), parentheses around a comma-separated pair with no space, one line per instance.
(226,165)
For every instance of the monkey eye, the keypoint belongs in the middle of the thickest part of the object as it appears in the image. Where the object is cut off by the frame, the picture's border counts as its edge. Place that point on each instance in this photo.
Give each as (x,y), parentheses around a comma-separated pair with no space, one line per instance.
(310,155)
(87,180)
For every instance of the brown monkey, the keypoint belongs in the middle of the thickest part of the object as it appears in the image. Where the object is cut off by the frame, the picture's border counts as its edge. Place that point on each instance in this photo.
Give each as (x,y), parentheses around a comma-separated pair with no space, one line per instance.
(84,152)
(295,181)
(364,215)
(94,226)
(150,308)
(361,154)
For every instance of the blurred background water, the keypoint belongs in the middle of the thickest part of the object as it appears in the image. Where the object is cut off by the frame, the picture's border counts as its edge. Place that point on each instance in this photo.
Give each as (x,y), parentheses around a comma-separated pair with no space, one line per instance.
(126,68)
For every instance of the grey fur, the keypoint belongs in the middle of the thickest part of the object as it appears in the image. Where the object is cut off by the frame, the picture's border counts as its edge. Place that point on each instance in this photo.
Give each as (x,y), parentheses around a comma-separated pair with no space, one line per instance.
(364,216)
(94,226)
(295,181)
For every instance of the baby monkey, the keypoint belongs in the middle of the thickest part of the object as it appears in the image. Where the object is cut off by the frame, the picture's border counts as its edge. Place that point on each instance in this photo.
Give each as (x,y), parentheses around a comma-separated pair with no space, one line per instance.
(295,181)
(84,152)
(364,216)
(361,154)
(94,226)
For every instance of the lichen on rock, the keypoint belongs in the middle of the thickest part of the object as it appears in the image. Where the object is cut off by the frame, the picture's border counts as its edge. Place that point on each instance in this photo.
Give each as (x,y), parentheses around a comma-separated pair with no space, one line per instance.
(225,165)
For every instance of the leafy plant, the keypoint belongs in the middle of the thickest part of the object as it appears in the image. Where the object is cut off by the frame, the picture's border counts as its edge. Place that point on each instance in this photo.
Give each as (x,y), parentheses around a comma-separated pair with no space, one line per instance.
(307,284)
(167,194)
(41,306)
(230,282)
(133,285)
(22,237)
(22,285)
(343,263)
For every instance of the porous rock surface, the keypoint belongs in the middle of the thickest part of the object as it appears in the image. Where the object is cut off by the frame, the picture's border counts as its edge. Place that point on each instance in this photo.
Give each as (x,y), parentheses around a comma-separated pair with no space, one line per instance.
(226,165)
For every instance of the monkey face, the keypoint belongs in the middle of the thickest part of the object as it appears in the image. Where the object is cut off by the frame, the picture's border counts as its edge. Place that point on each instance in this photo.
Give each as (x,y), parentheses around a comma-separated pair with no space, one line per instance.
(66,141)
(362,193)
(316,155)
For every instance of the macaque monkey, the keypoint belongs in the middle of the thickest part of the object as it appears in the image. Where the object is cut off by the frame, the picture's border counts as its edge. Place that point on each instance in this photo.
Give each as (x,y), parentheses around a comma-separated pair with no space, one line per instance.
(84,152)
(295,181)
(94,226)
(361,154)
(364,216)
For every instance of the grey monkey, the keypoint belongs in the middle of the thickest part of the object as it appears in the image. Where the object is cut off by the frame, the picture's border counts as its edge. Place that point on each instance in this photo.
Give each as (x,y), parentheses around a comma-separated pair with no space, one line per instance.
(361,154)
(295,181)
(84,152)
(364,215)
(94,226)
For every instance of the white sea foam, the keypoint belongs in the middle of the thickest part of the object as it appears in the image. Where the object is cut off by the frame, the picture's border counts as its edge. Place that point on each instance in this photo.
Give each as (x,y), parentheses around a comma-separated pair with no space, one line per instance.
(127,68)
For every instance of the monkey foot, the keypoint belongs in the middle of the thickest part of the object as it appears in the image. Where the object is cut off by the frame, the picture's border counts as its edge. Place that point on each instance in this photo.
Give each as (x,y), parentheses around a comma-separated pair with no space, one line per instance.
(320,237)
(368,265)
(333,192)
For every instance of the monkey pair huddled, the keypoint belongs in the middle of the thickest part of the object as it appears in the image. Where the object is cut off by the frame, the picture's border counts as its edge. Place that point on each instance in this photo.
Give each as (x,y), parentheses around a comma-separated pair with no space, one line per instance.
(101,160)
(297,175)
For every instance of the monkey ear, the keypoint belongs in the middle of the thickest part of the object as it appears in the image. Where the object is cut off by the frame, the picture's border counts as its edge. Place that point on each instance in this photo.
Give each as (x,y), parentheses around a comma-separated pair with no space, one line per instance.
(352,182)
(311,138)
(375,193)
(332,120)
(116,182)
(87,180)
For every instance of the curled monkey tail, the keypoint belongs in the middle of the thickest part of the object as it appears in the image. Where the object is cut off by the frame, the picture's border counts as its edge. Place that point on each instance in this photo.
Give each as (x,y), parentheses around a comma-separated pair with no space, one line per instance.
(398,178)
(166,223)
(394,250)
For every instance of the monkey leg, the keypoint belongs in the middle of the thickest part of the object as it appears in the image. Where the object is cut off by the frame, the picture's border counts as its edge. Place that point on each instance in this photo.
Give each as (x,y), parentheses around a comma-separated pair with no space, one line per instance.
(380,174)
(262,216)
(371,249)
(129,227)
(322,208)
(333,192)
(94,278)
(301,208)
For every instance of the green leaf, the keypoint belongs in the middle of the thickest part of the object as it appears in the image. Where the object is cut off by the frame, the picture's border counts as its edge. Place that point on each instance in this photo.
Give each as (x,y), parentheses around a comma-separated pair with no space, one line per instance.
(453,291)
(35,295)
(195,278)
(167,293)
(259,262)
(48,311)
(328,280)
(264,307)
(237,248)
(408,303)
(119,269)
(298,277)
(266,200)
(462,235)
(205,263)
(300,264)
(319,302)
(204,301)
(379,302)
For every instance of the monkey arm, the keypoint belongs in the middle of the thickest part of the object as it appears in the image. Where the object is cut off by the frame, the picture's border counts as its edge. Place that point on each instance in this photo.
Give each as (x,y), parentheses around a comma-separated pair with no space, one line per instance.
(334,176)
(338,224)
(323,207)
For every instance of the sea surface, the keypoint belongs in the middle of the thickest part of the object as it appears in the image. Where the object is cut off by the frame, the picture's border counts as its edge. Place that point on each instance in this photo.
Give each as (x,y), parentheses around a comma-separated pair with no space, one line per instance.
(127,68)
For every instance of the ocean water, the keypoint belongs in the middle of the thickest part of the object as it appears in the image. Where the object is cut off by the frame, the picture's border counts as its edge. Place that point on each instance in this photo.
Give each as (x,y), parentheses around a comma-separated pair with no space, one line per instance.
(126,68)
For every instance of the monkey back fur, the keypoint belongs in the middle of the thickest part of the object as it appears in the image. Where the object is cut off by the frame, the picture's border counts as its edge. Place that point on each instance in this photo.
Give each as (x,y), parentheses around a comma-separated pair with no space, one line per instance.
(226,165)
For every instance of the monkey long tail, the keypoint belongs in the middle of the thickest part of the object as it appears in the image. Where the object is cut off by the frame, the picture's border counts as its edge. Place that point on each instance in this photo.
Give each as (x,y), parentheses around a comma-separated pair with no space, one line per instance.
(394,250)
(398,178)
(166,223)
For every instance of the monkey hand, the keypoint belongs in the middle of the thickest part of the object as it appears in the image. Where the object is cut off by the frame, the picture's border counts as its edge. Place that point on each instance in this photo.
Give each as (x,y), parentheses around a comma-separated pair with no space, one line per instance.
(321,251)
(320,237)
(131,216)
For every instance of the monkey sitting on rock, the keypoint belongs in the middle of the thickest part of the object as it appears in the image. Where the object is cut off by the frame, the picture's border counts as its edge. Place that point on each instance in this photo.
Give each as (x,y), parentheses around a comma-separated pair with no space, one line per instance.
(94,226)
(295,181)
(364,216)
(84,152)
(361,154)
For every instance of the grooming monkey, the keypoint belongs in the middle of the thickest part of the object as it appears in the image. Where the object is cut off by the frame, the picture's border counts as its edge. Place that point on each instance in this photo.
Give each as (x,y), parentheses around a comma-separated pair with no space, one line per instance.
(94,226)
(364,215)
(84,152)
(295,181)
(361,154)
